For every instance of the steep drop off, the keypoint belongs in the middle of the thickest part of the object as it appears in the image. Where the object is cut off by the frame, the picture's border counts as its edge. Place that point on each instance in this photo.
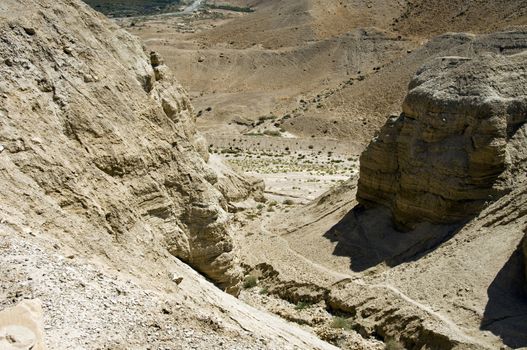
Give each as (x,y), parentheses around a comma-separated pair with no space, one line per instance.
(107,140)
(104,182)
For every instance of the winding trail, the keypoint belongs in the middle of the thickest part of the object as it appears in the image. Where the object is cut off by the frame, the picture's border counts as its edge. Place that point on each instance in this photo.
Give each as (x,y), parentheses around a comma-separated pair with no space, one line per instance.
(453,328)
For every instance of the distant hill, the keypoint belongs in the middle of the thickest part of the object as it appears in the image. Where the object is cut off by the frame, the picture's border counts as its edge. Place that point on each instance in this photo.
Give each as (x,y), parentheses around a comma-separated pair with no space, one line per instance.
(127,8)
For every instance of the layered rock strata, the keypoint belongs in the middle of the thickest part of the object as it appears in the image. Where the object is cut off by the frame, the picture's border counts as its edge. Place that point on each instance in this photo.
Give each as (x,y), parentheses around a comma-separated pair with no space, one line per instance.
(459,144)
(98,142)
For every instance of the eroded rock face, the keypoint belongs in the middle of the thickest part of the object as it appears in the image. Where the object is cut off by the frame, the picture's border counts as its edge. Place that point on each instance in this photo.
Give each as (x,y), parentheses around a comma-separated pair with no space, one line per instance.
(459,143)
(98,141)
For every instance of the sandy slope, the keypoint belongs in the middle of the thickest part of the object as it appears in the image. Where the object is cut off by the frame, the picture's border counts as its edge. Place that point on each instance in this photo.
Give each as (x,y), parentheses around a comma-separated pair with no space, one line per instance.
(266,62)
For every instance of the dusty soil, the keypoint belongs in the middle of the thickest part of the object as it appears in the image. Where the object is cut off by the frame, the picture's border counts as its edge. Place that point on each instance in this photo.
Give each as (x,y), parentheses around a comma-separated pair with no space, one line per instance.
(326,75)
(290,94)
(316,62)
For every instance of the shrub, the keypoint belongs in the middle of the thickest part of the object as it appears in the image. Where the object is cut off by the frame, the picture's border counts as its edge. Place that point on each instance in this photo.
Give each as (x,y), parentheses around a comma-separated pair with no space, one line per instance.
(340,323)
(393,344)
(289,202)
(250,282)
(230,8)
(301,305)
(274,133)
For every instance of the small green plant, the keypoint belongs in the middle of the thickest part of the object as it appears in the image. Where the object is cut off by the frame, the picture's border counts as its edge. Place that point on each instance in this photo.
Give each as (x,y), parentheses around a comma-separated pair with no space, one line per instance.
(230,8)
(274,133)
(301,305)
(393,344)
(264,291)
(250,282)
(289,202)
(340,323)
(260,206)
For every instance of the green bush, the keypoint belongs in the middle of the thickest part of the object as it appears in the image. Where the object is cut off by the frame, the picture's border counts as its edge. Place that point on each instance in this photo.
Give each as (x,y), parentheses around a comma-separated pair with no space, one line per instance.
(301,305)
(393,344)
(250,282)
(230,8)
(273,133)
(340,323)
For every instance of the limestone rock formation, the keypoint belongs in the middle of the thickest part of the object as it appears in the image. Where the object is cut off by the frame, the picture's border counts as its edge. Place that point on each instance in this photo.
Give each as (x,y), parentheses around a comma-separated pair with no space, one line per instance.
(459,144)
(233,185)
(99,144)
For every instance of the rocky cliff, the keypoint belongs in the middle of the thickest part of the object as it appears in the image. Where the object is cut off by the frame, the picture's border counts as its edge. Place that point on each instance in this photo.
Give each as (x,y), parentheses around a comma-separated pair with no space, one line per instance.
(459,144)
(104,182)
(98,141)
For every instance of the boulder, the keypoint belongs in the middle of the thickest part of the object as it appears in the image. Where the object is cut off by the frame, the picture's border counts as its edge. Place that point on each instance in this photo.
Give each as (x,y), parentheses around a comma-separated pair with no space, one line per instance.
(21,326)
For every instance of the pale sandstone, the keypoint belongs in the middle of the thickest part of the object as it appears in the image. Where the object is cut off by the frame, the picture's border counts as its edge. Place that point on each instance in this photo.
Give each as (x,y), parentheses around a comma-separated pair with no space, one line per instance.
(446,156)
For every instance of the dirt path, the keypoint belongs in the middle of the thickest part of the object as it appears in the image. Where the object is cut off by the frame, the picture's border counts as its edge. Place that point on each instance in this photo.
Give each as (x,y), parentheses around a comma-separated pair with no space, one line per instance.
(454,329)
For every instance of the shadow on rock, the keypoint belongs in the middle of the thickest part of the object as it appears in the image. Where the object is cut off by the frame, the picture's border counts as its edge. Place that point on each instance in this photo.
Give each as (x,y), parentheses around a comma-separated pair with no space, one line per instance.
(369,238)
(506,311)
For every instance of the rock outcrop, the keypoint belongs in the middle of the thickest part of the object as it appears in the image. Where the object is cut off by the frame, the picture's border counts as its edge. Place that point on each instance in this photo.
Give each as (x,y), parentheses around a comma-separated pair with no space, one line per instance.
(98,144)
(459,144)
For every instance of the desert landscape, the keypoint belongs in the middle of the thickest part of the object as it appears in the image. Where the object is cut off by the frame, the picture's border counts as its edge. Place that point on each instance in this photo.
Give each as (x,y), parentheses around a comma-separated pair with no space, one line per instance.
(250,174)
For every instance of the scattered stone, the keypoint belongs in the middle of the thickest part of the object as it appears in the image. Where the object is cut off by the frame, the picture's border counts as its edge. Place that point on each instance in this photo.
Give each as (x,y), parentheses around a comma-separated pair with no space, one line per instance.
(30,31)
(156,59)
(176,280)
(88,78)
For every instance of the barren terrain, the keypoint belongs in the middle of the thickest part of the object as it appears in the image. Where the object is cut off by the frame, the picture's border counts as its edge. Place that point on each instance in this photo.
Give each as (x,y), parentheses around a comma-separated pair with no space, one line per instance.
(352,173)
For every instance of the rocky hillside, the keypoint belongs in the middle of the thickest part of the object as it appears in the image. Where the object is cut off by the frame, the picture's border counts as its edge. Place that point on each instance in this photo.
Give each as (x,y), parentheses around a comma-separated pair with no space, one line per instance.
(424,18)
(107,137)
(106,189)
(451,171)
(459,144)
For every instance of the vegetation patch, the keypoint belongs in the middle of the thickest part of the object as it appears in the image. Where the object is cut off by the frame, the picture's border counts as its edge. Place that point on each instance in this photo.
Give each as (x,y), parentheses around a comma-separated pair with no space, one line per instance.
(129,8)
(228,7)
(250,282)
(301,305)
(340,322)
(393,344)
